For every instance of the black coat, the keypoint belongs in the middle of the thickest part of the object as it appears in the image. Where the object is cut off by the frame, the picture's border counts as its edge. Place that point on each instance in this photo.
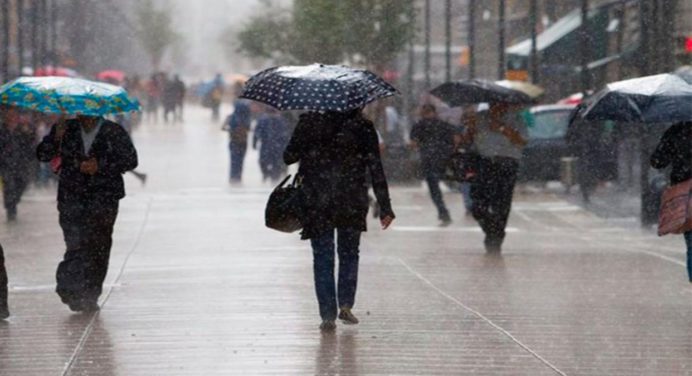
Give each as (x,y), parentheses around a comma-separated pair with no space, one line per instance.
(335,152)
(675,148)
(435,139)
(113,151)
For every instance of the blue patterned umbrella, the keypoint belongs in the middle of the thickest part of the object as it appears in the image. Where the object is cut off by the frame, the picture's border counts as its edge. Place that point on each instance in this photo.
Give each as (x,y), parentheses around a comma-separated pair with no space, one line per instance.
(316,87)
(63,95)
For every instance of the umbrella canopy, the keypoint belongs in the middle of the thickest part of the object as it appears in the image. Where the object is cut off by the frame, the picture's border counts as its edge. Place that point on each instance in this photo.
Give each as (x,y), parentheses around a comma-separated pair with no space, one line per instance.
(316,87)
(685,72)
(459,93)
(529,89)
(111,75)
(71,96)
(663,98)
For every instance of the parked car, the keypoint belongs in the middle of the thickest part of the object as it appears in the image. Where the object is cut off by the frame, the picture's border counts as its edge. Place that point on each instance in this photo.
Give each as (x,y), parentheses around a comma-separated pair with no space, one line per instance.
(547,126)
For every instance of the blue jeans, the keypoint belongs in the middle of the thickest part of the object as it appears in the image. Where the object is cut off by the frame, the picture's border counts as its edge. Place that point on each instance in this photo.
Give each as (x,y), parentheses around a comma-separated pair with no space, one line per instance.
(433,181)
(348,242)
(688,241)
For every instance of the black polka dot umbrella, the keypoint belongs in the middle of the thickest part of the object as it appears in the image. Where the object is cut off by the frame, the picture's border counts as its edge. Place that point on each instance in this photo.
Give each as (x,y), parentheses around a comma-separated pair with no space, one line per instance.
(316,87)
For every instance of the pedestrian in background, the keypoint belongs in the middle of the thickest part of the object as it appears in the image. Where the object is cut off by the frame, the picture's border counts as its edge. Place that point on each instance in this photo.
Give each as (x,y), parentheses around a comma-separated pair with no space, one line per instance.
(17,140)
(179,90)
(215,95)
(94,154)
(272,134)
(335,151)
(675,150)
(499,139)
(434,139)
(238,127)
(169,99)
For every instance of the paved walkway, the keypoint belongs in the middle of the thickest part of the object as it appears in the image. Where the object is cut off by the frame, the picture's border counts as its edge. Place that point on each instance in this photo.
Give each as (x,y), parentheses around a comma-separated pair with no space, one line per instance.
(197,286)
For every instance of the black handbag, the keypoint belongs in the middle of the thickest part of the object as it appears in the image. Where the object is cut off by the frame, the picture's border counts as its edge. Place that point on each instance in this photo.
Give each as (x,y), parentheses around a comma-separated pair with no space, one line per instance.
(462,166)
(285,206)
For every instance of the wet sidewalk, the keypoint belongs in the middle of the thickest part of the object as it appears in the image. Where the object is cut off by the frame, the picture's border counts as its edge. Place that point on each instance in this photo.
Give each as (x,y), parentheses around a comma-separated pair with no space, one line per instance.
(198,286)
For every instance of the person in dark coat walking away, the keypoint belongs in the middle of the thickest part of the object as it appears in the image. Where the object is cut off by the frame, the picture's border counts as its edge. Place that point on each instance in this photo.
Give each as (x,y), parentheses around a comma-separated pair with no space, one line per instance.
(238,127)
(272,134)
(434,139)
(499,138)
(94,153)
(4,309)
(584,139)
(16,158)
(675,149)
(335,151)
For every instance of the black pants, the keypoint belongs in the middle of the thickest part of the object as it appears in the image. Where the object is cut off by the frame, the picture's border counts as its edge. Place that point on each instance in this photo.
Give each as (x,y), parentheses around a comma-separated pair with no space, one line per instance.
(3,280)
(491,194)
(87,226)
(433,180)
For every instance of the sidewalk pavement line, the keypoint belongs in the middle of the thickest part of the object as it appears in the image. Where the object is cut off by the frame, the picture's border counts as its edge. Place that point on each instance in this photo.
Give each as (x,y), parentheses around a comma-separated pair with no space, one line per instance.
(634,249)
(481,316)
(90,326)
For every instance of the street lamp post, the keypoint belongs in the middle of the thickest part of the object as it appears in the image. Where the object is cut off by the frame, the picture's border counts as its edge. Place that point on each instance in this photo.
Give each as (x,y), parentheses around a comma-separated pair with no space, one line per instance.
(534,41)
(427,45)
(501,41)
(448,40)
(20,35)
(472,38)
(584,47)
(5,60)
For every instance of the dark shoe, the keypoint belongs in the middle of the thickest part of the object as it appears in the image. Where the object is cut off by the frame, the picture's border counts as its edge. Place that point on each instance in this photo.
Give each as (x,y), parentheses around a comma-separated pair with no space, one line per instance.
(348,317)
(493,246)
(445,222)
(11,215)
(328,326)
(90,307)
(4,311)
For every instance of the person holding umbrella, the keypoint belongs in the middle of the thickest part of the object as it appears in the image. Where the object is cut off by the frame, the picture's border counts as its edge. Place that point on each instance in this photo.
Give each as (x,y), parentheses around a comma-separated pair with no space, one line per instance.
(94,154)
(675,149)
(336,147)
(499,139)
(90,154)
(335,150)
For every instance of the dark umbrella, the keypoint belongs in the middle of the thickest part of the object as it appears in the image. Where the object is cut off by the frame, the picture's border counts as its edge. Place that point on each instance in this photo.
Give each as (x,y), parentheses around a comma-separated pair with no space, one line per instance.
(459,93)
(316,87)
(663,98)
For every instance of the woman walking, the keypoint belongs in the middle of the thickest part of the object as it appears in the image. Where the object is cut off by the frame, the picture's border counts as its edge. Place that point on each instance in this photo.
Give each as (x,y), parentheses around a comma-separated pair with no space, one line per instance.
(335,151)
(675,149)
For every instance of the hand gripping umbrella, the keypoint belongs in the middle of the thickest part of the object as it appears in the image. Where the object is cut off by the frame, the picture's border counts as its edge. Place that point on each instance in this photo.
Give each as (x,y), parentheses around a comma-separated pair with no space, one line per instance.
(67,96)
(316,87)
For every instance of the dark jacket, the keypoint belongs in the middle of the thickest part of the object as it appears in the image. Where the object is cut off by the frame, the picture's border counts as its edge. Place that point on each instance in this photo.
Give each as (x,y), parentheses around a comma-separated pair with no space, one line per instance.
(435,140)
(675,148)
(335,152)
(113,151)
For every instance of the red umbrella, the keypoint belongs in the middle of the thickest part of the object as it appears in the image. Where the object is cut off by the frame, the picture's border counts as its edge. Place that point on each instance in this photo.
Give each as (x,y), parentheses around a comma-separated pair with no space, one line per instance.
(111,75)
(50,70)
